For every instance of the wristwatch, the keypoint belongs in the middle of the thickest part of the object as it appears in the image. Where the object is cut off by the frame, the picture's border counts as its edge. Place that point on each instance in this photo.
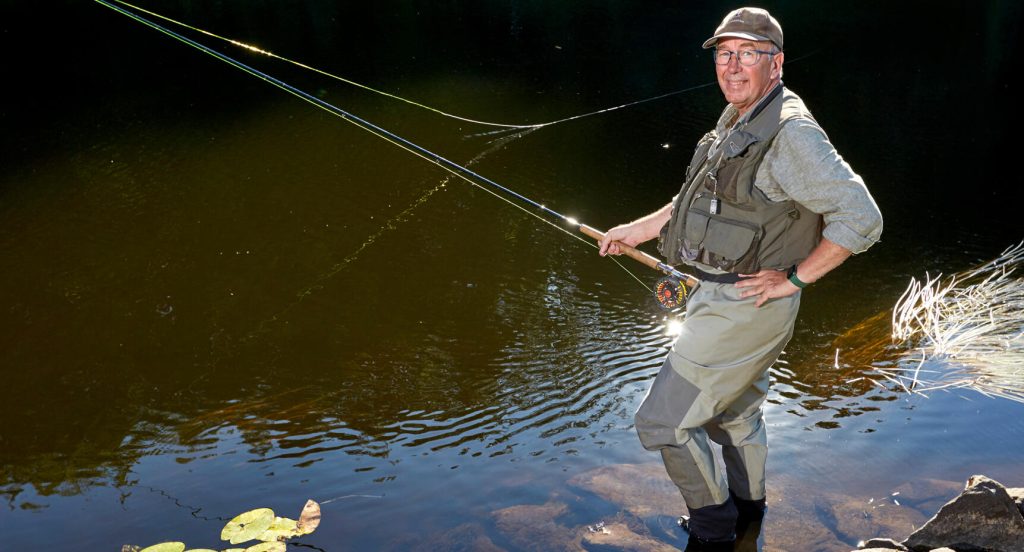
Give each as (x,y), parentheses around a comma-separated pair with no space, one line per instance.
(791,275)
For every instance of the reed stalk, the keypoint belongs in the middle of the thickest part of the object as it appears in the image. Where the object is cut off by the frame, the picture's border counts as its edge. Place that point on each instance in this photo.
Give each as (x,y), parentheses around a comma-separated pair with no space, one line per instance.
(969,327)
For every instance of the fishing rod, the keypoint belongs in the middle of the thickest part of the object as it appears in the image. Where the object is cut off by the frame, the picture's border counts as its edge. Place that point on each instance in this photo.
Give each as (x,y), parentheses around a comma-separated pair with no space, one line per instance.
(670,290)
(504,127)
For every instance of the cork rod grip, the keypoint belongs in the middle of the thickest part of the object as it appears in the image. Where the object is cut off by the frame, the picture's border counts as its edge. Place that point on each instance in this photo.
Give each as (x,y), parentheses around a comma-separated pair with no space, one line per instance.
(631,252)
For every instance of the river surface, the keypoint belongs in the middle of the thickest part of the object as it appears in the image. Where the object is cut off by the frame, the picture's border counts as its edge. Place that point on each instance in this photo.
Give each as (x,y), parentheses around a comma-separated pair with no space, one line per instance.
(217,297)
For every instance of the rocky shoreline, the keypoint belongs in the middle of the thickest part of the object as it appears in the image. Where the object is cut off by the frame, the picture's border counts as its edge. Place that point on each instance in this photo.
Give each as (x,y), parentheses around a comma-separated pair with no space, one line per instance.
(986,516)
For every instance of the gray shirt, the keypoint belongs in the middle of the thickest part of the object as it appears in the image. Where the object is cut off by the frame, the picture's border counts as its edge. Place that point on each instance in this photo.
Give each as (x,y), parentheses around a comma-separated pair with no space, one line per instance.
(802,165)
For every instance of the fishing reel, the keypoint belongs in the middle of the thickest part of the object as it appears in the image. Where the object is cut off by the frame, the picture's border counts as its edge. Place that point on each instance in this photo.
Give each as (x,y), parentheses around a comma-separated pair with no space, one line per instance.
(670,293)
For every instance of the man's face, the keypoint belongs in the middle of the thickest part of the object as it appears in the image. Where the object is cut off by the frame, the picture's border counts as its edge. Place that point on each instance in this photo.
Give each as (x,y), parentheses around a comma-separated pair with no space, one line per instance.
(744,85)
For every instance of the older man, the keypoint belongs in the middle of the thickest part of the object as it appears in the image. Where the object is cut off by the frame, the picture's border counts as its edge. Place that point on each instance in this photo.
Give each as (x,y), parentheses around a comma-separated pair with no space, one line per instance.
(768,207)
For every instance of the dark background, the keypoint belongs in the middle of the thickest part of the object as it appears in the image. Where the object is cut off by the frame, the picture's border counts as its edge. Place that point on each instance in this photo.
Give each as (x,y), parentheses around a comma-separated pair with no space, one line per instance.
(922,91)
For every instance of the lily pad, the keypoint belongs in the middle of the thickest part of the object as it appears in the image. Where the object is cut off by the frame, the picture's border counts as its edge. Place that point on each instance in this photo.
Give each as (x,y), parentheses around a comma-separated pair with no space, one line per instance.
(247,526)
(309,519)
(268,547)
(280,529)
(165,547)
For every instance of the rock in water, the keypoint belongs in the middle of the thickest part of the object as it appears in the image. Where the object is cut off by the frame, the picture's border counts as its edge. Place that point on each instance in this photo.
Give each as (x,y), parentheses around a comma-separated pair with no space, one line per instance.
(1017,494)
(883,544)
(641,489)
(983,517)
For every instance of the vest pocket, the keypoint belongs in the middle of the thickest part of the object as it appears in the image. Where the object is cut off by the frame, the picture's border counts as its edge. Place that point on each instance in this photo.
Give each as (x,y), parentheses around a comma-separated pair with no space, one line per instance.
(719,242)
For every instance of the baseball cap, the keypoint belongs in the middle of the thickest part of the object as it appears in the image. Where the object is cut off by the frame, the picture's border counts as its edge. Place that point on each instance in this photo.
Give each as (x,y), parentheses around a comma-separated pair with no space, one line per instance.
(750,23)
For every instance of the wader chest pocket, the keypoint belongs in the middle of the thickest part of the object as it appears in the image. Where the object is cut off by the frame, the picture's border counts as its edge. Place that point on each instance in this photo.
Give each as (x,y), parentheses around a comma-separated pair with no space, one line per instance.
(719,242)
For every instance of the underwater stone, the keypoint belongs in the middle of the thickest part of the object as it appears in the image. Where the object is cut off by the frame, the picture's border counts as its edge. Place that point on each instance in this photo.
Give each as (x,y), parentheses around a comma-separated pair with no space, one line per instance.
(641,489)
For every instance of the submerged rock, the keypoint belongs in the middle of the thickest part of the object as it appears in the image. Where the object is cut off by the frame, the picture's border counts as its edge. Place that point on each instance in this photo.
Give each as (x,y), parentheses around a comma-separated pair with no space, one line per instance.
(797,520)
(927,495)
(533,527)
(884,518)
(620,536)
(645,491)
(641,489)
(467,537)
(983,517)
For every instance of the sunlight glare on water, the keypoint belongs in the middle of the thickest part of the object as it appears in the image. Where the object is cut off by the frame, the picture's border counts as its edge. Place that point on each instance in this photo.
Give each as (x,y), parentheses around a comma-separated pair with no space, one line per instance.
(673,327)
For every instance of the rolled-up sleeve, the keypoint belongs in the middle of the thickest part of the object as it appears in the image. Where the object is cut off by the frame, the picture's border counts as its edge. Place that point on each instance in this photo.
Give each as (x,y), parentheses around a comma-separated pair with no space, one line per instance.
(802,165)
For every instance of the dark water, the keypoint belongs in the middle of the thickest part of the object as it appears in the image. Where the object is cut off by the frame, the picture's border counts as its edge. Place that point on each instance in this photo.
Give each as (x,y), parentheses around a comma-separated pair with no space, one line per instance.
(216,297)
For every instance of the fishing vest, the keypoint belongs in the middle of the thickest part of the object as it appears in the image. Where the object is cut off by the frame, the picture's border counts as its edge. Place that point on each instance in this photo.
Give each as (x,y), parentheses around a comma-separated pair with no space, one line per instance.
(721,220)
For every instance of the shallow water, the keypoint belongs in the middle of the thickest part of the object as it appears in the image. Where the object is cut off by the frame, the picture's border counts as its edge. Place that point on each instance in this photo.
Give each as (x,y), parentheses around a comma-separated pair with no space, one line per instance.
(219,298)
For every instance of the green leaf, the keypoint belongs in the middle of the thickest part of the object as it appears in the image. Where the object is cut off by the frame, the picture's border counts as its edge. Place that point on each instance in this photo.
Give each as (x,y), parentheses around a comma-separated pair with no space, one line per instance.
(246,526)
(165,547)
(268,547)
(280,529)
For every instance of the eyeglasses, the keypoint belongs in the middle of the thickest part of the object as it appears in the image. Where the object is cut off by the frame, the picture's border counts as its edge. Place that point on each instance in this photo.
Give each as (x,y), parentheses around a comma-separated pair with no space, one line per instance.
(745,56)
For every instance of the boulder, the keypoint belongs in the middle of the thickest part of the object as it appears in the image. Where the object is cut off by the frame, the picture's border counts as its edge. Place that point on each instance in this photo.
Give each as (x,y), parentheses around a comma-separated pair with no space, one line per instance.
(883,544)
(983,517)
(1017,494)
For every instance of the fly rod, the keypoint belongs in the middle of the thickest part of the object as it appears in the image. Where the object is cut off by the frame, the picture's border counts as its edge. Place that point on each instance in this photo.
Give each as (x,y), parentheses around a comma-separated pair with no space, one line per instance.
(667,288)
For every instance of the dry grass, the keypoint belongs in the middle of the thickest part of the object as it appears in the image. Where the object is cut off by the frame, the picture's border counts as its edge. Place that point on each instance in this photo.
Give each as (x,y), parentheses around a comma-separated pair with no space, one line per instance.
(970,324)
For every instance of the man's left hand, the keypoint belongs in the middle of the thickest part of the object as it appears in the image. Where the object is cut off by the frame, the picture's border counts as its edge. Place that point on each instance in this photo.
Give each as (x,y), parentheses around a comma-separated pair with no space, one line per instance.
(765,285)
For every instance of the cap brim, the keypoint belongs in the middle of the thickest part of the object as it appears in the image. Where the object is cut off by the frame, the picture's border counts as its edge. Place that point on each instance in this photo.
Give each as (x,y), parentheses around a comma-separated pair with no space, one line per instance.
(750,36)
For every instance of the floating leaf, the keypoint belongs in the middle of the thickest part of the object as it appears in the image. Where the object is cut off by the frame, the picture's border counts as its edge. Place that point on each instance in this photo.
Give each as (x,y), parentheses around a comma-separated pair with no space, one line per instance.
(166,547)
(280,529)
(309,519)
(246,526)
(234,550)
(268,547)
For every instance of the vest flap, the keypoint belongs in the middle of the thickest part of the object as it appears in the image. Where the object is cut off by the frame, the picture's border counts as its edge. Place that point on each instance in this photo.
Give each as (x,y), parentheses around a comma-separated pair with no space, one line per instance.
(737,142)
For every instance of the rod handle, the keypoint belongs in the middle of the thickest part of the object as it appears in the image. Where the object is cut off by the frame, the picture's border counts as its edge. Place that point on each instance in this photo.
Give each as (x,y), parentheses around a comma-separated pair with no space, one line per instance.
(640,256)
(629,251)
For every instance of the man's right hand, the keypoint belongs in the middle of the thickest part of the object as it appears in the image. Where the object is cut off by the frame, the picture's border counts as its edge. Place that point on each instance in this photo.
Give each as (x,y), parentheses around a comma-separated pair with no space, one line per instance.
(636,232)
(628,234)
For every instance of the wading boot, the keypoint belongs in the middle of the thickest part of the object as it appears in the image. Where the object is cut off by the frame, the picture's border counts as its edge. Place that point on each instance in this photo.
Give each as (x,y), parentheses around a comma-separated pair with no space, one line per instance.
(711,528)
(696,544)
(748,522)
(749,510)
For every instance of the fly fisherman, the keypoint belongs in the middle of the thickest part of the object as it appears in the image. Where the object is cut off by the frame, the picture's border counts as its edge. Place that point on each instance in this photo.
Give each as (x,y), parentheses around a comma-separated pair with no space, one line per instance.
(768,207)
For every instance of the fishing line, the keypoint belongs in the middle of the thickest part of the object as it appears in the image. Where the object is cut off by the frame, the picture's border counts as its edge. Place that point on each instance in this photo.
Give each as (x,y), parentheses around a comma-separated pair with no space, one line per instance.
(504,127)
(390,224)
(419,151)
(606,110)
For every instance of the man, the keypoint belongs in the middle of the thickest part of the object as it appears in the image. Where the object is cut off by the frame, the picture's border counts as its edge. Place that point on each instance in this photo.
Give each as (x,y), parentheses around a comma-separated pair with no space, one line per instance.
(768,207)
